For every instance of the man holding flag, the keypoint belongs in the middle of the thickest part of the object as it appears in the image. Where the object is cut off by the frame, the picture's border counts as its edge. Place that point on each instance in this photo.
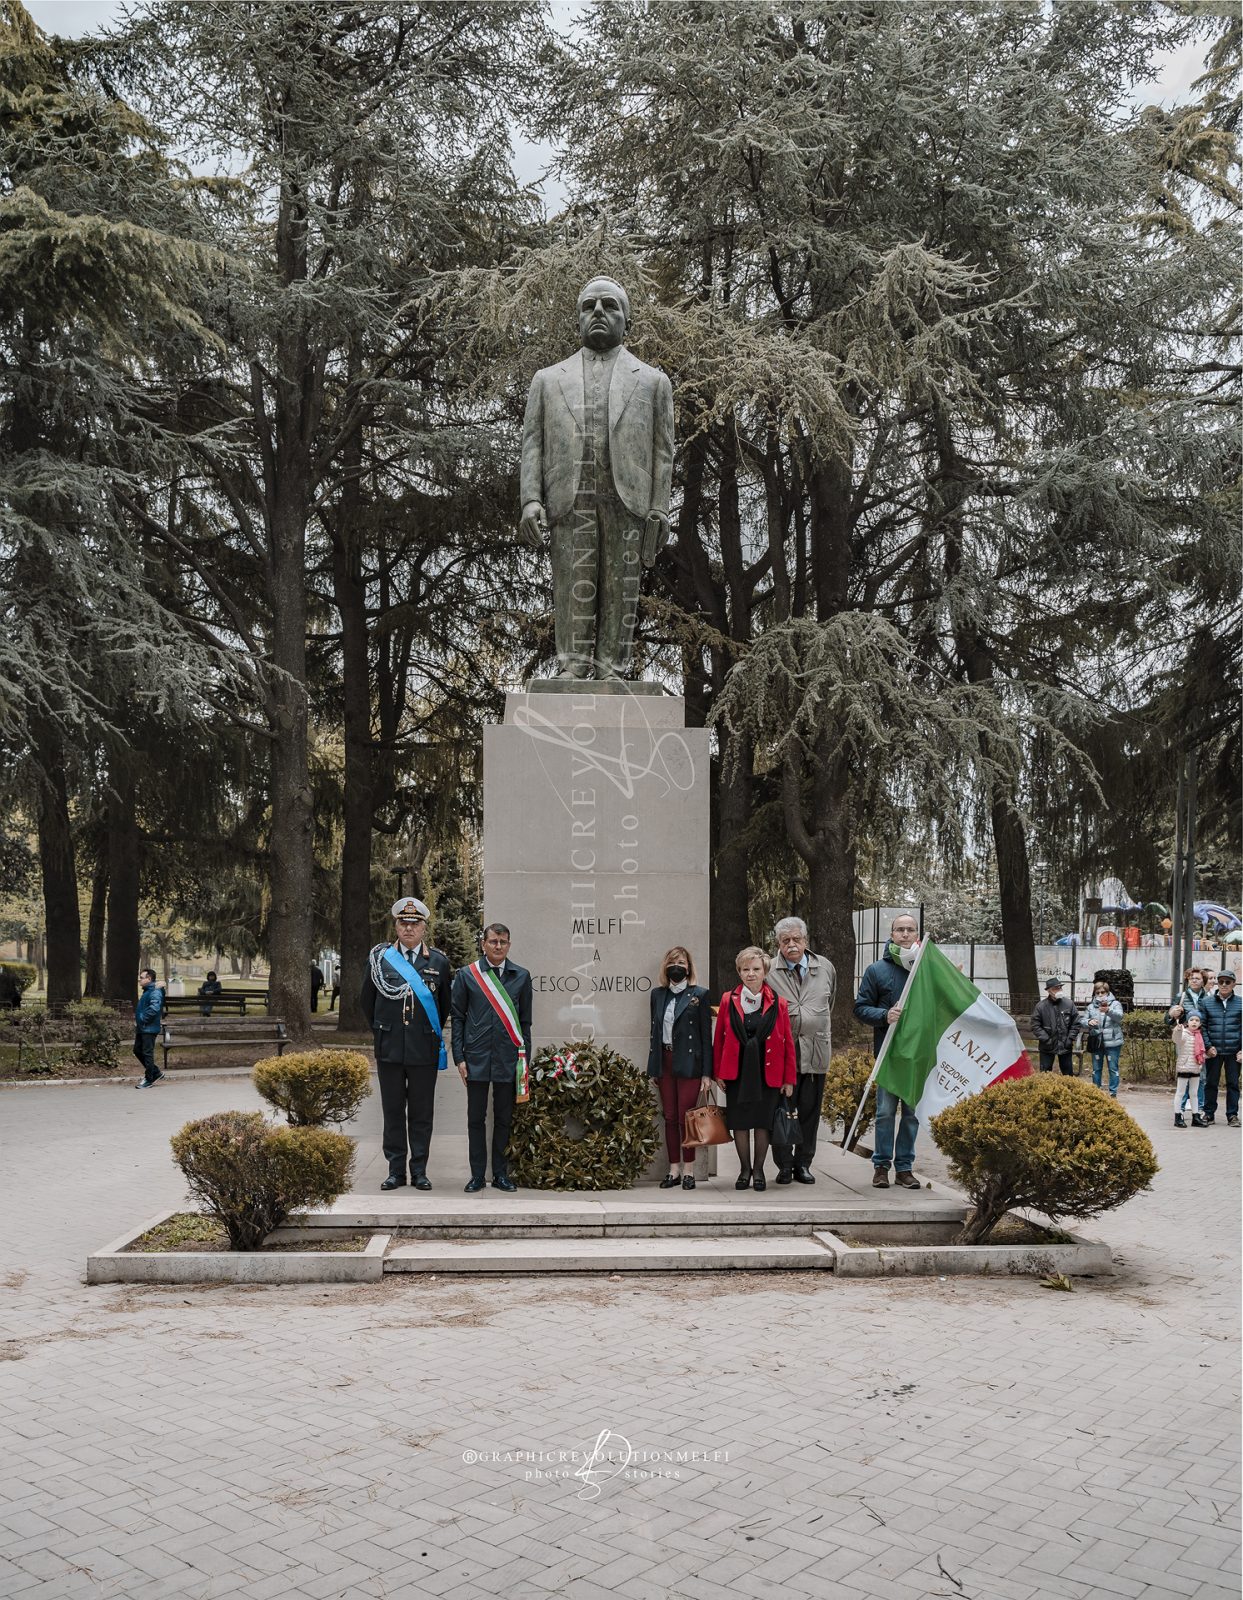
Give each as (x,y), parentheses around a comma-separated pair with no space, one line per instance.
(492,1049)
(877,1002)
(406,995)
(943,1041)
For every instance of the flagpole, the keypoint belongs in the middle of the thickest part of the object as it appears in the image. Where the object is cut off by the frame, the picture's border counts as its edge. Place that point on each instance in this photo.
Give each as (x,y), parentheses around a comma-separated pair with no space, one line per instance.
(884,1044)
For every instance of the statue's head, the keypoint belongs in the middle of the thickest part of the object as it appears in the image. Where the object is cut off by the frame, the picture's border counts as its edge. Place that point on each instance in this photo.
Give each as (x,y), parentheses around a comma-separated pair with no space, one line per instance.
(603,314)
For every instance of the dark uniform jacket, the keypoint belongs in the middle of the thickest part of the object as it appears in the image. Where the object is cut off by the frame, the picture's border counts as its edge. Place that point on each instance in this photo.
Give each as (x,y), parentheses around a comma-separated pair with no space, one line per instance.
(692,1033)
(403,1035)
(479,1036)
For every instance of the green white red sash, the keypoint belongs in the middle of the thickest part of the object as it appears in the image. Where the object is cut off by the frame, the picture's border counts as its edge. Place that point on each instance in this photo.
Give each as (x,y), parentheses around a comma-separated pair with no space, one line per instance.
(501,1001)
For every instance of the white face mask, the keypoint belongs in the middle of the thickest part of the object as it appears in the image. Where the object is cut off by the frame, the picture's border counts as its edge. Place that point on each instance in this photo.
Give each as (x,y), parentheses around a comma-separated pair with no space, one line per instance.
(907,956)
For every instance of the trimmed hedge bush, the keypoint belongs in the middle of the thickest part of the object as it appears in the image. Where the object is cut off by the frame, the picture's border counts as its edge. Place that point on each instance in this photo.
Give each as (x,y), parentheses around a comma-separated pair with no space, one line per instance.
(589,1124)
(1056,1144)
(15,978)
(313,1087)
(251,1176)
(844,1083)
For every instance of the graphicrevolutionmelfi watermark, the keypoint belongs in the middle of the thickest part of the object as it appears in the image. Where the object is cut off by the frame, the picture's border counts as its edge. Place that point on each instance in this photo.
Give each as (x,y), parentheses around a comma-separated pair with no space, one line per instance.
(612,1456)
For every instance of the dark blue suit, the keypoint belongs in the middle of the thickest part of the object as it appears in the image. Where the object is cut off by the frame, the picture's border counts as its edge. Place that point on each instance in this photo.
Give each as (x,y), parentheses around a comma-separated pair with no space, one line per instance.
(482,1043)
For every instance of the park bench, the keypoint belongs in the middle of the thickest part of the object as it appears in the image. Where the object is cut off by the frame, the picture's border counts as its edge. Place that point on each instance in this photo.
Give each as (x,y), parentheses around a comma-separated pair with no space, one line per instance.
(190,1004)
(209,1031)
(233,1000)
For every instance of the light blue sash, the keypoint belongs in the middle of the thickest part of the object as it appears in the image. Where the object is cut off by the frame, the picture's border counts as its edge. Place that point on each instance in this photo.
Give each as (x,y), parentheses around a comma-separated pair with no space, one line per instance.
(406,969)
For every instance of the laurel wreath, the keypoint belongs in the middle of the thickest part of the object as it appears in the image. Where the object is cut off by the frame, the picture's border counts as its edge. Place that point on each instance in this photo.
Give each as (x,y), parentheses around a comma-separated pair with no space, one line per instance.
(589,1123)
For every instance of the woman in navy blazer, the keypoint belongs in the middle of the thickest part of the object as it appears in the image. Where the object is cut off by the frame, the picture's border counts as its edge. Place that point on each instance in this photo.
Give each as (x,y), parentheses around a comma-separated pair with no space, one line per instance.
(680,1055)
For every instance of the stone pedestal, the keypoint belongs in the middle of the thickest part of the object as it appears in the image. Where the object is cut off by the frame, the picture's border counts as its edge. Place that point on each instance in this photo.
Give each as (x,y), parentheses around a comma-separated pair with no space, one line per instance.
(595,853)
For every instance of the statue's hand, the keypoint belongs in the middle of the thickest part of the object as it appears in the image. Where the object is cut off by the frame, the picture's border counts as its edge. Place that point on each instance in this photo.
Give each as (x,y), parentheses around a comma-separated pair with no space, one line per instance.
(655,537)
(533,529)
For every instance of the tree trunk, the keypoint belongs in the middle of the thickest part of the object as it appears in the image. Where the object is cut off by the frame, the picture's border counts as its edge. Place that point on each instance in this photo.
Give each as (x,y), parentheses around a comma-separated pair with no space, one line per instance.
(60,880)
(94,984)
(991,1206)
(358,801)
(1014,886)
(730,919)
(290,920)
(122,953)
(832,893)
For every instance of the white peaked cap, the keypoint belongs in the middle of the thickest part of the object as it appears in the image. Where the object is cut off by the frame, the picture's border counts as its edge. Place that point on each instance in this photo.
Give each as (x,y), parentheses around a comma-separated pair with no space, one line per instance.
(410,907)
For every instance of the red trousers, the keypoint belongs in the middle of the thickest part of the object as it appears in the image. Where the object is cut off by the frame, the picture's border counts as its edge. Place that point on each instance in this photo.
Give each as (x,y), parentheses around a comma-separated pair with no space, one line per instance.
(677,1096)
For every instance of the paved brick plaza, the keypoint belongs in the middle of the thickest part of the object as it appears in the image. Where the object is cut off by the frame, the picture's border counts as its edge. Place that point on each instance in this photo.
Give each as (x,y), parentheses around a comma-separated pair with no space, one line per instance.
(985,1441)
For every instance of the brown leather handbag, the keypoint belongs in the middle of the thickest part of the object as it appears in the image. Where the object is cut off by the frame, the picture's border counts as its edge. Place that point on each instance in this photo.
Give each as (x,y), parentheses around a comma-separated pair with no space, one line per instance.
(705,1124)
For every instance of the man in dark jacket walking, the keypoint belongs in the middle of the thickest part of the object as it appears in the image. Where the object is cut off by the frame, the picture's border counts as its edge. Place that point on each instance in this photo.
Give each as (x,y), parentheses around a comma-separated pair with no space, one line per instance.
(148,1020)
(491,1032)
(405,995)
(879,1002)
(1222,1015)
(1055,1022)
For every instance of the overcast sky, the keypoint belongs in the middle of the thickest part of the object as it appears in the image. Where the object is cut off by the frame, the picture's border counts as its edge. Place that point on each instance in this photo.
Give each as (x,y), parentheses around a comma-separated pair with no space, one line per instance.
(532,162)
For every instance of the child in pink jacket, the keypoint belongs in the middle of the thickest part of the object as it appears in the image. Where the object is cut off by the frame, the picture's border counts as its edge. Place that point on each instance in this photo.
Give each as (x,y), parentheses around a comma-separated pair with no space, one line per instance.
(1188,1067)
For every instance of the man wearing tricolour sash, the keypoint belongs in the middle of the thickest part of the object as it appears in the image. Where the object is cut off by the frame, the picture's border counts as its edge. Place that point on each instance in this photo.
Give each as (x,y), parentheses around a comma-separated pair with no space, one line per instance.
(492,1049)
(405,995)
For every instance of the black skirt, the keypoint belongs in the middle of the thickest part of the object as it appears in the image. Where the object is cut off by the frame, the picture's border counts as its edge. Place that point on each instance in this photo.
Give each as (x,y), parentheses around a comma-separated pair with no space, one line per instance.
(749,1102)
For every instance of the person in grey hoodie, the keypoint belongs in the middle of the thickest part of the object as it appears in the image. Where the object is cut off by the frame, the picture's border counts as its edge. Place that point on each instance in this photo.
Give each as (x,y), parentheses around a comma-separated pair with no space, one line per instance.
(1103,1015)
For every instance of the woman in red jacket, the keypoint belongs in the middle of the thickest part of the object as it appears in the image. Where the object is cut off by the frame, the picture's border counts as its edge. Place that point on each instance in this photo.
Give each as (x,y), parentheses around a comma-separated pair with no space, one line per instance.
(753,1056)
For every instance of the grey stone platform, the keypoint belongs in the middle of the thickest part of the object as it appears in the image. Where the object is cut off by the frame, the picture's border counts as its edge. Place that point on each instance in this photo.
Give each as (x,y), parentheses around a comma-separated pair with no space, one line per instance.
(644,1229)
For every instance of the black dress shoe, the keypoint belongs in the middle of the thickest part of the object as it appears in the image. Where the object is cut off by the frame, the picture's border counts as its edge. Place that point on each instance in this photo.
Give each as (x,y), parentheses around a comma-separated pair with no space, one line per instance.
(422,1181)
(507,1184)
(759,1182)
(474,1186)
(393,1181)
(785,1175)
(743,1180)
(668,1181)
(688,1182)
(803,1175)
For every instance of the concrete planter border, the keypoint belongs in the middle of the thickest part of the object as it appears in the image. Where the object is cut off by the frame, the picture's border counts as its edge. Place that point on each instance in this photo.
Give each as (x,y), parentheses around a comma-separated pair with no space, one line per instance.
(1080,1258)
(115,1264)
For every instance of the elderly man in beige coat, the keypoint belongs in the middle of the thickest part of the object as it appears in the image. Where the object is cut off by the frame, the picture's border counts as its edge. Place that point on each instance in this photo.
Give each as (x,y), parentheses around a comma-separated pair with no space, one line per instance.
(807,983)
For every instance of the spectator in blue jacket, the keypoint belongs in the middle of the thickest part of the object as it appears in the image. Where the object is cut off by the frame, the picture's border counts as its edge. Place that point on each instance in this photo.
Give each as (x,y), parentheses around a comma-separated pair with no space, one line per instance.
(1222,1013)
(148,1020)
(879,1002)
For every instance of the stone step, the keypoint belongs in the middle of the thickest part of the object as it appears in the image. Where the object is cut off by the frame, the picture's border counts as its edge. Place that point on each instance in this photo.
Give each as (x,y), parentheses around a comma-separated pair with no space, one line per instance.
(432,1217)
(693,1254)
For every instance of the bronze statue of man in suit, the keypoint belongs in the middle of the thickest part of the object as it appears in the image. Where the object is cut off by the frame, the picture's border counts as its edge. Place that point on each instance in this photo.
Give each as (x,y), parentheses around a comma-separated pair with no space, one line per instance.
(597,464)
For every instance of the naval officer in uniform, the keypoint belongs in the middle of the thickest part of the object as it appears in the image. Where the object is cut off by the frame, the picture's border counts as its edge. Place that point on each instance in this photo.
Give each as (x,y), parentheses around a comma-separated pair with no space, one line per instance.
(405,995)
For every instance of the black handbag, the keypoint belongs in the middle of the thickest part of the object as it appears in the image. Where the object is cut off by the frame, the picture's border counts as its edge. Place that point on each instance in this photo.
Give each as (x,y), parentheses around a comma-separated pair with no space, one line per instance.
(1094,1041)
(786,1130)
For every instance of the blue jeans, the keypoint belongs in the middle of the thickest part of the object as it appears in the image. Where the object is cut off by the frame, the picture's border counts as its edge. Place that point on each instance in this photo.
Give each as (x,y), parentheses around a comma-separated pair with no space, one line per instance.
(1212,1079)
(1113,1053)
(882,1143)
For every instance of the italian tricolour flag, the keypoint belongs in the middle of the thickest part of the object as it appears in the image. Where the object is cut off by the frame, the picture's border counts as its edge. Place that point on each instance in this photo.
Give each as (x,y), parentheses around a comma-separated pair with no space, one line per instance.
(950,1042)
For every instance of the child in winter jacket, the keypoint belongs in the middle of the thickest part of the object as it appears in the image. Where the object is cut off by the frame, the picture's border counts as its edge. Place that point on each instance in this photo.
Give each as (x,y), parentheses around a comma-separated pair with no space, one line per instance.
(1188,1069)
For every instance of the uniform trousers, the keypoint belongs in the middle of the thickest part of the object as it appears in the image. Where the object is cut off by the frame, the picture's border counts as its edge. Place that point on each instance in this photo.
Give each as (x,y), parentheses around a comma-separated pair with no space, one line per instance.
(407,1095)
